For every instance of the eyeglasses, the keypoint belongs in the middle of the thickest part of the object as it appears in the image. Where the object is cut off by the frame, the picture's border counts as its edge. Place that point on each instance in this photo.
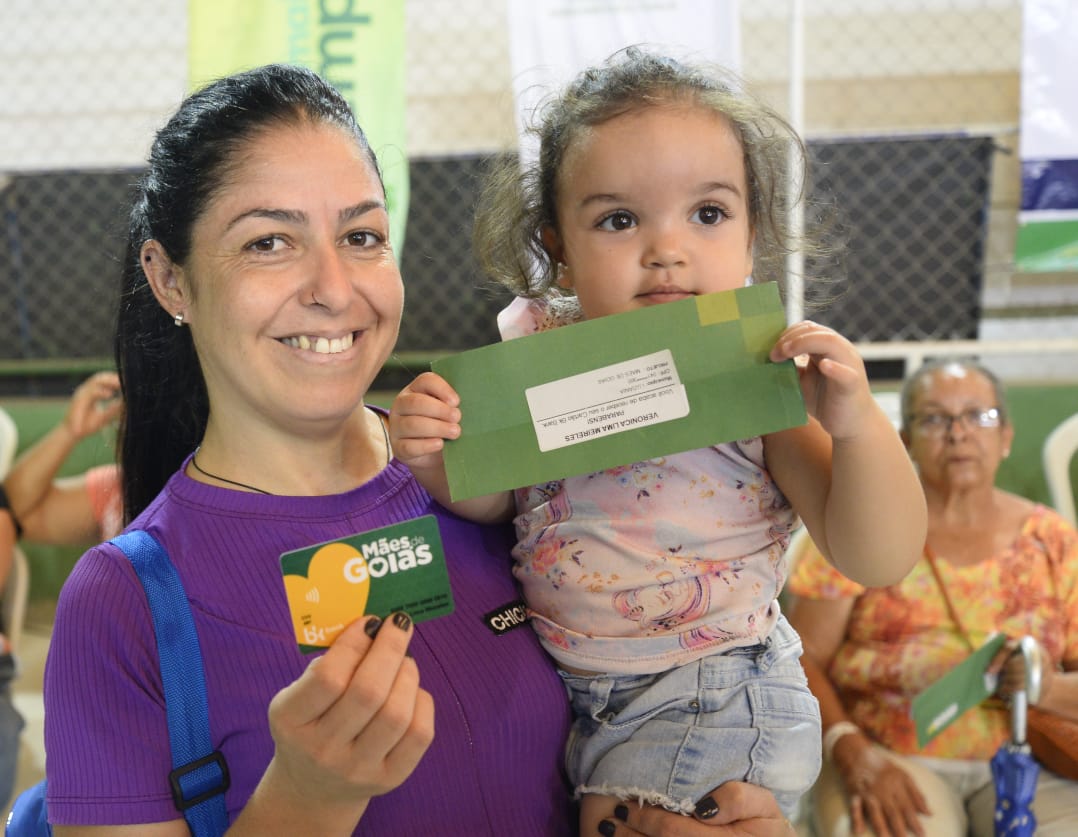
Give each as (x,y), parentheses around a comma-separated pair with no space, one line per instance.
(939,424)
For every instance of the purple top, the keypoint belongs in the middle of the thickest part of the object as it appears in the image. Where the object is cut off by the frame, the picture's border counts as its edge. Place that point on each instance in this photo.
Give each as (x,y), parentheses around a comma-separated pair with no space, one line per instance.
(501,715)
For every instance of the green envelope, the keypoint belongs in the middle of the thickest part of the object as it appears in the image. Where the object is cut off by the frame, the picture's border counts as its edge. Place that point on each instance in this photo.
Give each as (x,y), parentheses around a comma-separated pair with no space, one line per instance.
(960,689)
(619,389)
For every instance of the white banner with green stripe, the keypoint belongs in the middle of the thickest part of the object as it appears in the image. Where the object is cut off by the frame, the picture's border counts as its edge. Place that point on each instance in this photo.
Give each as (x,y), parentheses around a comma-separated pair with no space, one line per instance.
(1048,222)
(356,45)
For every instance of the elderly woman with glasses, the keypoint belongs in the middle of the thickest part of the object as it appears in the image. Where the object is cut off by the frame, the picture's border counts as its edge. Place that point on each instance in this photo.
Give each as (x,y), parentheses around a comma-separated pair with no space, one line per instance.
(993,562)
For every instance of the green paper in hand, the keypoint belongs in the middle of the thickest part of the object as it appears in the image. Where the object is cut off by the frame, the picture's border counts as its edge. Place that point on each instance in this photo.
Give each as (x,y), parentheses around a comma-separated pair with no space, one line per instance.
(619,389)
(962,688)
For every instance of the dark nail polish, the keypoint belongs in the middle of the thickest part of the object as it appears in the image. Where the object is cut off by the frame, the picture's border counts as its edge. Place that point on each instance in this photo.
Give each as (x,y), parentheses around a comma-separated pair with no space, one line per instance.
(372,626)
(607,828)
(621,813)
(706,808)
(402,621)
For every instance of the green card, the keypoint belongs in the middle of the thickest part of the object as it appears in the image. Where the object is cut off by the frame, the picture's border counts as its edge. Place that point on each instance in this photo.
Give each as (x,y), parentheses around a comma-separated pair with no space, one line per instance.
(398,567)
(619,389)
(962,688)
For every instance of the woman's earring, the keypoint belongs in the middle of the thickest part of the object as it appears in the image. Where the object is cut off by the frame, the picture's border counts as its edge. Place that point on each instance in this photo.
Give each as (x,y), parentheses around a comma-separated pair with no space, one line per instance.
(178,319)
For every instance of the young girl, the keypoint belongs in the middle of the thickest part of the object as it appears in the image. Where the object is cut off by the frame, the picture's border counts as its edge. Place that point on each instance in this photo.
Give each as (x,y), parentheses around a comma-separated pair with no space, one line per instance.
(654,584)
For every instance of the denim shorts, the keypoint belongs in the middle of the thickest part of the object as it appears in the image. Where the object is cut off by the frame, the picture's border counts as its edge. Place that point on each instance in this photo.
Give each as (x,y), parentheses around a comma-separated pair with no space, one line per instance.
(670,738)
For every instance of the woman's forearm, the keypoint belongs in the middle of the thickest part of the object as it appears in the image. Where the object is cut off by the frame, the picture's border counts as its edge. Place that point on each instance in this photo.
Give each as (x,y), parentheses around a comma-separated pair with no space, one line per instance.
(831,709)
(275,808)
(1062,695)
(31,477)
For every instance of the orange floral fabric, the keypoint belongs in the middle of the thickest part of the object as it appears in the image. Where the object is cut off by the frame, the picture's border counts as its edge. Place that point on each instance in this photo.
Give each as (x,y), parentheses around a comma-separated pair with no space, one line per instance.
(900,639)
(106,499)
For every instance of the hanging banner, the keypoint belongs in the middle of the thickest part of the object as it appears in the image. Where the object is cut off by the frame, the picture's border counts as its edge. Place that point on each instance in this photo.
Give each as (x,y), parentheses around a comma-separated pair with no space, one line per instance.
(356,45)
(1048,222)
(550,41)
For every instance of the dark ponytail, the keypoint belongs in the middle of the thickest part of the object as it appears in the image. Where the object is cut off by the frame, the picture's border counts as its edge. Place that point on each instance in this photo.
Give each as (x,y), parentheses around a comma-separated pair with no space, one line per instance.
(165,395)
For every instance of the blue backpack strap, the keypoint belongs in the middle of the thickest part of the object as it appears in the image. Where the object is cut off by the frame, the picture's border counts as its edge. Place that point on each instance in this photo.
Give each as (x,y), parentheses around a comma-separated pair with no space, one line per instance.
(28,816)
(199,777)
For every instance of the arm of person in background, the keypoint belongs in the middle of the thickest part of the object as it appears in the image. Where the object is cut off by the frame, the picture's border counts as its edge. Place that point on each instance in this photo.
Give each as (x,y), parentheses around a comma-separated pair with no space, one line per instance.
(423,416)
(847,472)
(54,510)
(881,793)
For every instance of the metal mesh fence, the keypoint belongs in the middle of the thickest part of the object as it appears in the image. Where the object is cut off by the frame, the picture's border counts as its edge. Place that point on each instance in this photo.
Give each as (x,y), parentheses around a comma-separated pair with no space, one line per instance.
(907,103)
(448,304)
(913,215)
(63,271)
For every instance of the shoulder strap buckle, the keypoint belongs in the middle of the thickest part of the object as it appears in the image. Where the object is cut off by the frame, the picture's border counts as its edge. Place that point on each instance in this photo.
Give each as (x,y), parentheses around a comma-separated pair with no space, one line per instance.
(205,784)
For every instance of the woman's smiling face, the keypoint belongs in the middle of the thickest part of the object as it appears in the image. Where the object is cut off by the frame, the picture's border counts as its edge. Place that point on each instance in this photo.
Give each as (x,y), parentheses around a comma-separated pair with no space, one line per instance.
(292,291)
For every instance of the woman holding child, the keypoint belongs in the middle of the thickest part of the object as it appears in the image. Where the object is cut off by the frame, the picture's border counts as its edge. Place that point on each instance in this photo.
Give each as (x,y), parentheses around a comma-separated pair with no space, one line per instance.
(261,297)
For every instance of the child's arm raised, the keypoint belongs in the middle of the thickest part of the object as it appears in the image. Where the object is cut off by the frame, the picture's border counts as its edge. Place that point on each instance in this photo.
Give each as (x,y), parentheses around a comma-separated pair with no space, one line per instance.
(423,416)
(847,472)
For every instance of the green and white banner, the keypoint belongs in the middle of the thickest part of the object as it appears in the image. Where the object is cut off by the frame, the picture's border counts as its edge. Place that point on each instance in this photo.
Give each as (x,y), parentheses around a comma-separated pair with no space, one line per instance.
(356,45)
(1048,222)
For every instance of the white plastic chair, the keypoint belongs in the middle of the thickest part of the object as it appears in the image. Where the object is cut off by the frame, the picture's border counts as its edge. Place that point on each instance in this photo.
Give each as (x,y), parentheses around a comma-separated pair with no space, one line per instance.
(17,589)
(16,594)
(891,402)
(9,441)
(1059,449)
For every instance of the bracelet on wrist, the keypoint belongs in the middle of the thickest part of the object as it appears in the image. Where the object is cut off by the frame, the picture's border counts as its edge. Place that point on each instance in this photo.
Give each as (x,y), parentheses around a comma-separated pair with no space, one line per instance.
(834,732)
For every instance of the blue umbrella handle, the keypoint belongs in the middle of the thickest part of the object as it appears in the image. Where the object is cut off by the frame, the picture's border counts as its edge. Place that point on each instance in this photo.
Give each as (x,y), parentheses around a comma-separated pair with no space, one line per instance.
(1022,699)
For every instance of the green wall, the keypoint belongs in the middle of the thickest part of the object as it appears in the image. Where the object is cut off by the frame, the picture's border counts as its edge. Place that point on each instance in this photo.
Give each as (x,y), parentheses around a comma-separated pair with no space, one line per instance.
(1035,411)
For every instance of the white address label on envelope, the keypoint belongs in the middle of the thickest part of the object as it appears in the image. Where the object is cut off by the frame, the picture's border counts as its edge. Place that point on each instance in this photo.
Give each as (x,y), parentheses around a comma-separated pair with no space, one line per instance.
(634,393)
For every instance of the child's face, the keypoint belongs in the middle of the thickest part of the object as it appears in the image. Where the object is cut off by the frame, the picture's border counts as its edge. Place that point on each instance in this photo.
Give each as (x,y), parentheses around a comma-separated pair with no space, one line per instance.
(652,207)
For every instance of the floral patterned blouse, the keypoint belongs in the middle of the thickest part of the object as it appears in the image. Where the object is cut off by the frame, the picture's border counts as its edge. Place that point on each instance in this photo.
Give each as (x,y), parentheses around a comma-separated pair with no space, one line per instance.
(900,639)
(644,567)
